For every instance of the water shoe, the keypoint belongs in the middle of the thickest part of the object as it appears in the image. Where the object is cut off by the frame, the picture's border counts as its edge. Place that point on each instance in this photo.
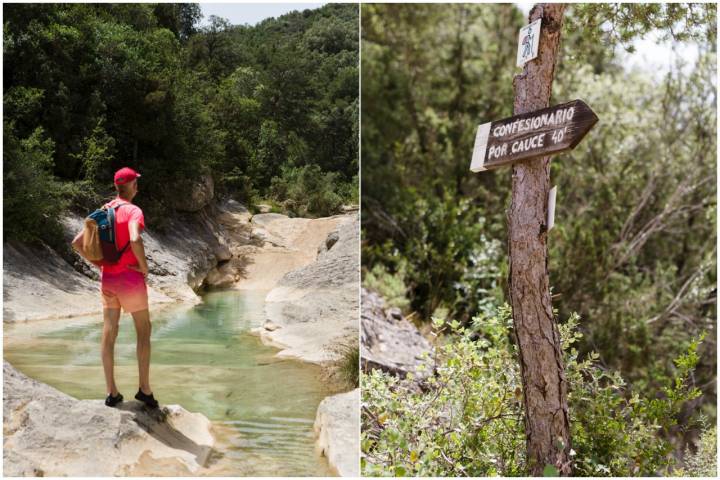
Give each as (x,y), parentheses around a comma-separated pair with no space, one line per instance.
(111,401)
(148,400)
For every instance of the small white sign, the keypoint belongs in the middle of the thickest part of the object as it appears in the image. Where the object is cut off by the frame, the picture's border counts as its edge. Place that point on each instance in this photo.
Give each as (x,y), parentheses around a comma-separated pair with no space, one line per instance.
(481,139)
(528,42)
(551,208)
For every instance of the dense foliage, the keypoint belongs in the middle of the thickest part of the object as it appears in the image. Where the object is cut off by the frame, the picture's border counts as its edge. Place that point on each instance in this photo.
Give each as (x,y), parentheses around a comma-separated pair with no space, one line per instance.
(267,110)
(467,419)
(633,248)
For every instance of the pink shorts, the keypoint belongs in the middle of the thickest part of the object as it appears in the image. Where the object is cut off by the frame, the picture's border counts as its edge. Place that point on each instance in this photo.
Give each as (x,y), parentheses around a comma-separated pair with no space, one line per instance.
(124,289)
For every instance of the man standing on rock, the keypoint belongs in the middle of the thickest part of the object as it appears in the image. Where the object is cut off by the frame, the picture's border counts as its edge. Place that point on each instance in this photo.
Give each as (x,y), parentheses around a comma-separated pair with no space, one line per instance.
(123,285)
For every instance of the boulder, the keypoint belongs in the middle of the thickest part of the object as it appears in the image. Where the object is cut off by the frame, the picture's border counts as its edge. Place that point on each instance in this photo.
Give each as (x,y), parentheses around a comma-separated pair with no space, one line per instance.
(233,214)
(349,208)
(316,306)
(270,326)
(390,342)
(223,276)
(49,433)
(222,251)
(331,240)
(337,426)
(195,194)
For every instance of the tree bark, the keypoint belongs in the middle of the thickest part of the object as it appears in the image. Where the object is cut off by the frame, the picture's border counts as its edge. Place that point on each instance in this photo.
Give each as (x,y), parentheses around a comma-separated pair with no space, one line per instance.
(547,426)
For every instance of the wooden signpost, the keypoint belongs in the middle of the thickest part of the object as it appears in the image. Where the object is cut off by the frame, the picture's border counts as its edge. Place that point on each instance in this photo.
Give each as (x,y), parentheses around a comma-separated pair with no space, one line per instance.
(534,134)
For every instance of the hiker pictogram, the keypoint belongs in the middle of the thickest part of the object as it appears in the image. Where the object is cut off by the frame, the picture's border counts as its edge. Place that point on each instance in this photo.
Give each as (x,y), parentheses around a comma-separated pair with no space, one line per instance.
(527,45)
(528,42)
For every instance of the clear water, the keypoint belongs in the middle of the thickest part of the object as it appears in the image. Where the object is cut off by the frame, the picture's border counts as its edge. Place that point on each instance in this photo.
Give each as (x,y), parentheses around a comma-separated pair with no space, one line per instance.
(205,359)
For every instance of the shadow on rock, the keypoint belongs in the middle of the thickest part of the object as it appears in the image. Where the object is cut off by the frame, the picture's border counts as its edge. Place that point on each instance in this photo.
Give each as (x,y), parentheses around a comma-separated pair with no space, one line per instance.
(157,423)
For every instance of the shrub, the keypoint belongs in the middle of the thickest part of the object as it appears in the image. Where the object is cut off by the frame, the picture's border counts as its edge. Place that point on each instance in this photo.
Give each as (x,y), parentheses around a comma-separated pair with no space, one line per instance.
(449,261)
(702,463)
(32,197)
(467,419)
(615,431)
(389,285)
(308,191)
(97,154)
(349,365)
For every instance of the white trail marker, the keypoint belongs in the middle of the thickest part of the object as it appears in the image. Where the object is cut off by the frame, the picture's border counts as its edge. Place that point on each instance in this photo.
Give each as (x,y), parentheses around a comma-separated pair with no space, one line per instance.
(528,41)
(551,208)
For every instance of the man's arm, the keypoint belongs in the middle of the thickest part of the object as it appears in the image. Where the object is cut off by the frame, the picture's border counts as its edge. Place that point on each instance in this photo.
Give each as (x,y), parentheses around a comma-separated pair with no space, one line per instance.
(77,244)
(138,248)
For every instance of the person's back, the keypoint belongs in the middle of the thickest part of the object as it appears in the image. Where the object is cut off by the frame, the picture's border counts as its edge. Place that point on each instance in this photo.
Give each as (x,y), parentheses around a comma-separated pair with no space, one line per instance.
(123,215)
(122,284)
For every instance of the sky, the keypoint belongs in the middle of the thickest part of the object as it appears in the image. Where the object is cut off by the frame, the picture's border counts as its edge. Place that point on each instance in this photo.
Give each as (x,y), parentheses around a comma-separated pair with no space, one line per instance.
(251,13)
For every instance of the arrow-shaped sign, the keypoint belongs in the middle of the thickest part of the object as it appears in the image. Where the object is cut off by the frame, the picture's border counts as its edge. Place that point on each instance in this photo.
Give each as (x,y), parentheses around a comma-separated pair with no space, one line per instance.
(534,134)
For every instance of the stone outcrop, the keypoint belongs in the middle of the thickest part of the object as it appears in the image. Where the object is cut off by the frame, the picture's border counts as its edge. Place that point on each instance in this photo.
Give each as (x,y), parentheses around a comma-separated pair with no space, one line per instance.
(390,342)
(224,275)
(49,433)
(234,221)
(38,283)
(195,251)
(195,194)
(338,431)
(181,257)
(314,308)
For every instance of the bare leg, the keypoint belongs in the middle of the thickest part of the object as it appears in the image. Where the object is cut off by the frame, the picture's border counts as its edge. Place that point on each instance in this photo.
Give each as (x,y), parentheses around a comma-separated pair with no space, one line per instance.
(143,328)
(111,317)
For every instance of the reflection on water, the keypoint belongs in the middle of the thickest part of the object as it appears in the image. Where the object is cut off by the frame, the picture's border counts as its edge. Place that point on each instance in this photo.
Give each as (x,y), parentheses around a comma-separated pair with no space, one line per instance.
(204,359)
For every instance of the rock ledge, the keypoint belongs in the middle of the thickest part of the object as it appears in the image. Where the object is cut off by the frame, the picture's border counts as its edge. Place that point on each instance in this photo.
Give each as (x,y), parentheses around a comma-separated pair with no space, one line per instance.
(390,342)
(49,433)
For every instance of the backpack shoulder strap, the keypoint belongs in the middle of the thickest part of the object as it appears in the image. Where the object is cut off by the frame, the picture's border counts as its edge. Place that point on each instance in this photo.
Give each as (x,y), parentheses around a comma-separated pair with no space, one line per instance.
(120,204)
(117,206)
(111,220)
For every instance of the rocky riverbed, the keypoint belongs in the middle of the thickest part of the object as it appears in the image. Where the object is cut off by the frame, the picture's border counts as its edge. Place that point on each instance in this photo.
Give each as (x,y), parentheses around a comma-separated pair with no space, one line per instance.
(312,314)
(309,266)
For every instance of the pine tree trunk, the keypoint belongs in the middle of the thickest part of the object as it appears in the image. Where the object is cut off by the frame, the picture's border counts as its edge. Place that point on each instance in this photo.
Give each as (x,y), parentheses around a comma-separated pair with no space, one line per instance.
(547,424)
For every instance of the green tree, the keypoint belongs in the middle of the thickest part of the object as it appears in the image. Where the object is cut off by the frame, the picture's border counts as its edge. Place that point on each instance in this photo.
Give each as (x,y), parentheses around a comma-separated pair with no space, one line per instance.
(143,85)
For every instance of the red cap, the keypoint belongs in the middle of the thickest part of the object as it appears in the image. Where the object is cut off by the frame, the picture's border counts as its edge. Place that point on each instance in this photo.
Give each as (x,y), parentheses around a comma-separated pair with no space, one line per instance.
(125,175)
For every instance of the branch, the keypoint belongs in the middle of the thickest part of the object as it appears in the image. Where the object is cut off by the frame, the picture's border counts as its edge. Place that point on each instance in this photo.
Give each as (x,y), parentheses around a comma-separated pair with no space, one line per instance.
(658,223)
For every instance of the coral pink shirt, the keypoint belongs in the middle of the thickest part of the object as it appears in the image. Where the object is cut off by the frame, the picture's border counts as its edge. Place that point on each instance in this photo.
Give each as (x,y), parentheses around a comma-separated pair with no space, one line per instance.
(123,215)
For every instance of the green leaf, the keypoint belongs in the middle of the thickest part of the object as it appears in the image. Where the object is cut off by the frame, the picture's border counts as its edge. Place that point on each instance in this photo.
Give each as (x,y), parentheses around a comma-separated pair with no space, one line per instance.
(550,471)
